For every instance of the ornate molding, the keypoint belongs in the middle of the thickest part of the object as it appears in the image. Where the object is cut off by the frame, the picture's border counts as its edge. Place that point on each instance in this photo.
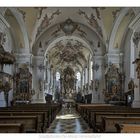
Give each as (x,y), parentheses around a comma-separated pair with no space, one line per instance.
(68,27)
(137,62)
(115,13)
(92,21)
(136,38)
(23,13)
(47,21)
(2,38)
(40,9)
(97,12)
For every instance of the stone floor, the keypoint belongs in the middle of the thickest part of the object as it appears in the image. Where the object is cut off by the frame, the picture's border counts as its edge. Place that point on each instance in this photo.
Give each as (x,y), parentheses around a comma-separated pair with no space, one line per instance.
(68,121)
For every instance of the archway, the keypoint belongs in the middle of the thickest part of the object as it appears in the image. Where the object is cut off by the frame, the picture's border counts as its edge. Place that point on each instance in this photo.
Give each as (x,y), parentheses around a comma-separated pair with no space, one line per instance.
(67,55)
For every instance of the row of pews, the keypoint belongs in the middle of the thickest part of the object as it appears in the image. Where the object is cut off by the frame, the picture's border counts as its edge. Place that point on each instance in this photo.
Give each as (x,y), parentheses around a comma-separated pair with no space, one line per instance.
(106,118)
(28,118)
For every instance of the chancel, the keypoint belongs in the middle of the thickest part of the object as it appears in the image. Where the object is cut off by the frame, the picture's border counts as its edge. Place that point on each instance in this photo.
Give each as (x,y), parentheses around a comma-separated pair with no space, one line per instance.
(69,70)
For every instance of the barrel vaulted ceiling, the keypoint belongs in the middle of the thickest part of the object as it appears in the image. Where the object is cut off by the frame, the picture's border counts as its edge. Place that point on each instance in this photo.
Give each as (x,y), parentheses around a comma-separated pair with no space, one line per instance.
(87,30)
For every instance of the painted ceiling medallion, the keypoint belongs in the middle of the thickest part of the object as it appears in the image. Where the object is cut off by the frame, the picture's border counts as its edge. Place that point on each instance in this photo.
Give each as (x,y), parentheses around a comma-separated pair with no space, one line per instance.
(68,27)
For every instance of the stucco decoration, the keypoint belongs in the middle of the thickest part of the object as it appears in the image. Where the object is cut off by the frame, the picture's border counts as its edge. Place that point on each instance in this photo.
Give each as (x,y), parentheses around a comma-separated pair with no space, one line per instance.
(92,21)
(136,38)
(68,27)
(47,21)
(23,13)
(115,13)
(68,52)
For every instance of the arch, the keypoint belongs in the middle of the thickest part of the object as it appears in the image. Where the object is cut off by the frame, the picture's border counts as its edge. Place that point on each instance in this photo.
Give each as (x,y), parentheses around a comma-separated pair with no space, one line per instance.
(22,27)
(49,46)
(85,28)
(115,27)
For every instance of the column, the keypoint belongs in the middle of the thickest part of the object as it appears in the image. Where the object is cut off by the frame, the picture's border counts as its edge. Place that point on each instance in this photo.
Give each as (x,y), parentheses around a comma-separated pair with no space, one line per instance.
(38,79)
(81,81)
(98,76)
(54,84)
(136,101)
(85,79)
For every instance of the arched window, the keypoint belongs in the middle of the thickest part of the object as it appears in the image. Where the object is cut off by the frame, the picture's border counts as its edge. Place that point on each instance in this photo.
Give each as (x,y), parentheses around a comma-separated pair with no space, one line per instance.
(57,80)
(91,72)
(57,76)
(78,75)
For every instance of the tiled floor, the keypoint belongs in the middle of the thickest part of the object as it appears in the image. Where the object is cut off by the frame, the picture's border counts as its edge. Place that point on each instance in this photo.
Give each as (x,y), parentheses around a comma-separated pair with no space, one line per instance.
(68,121)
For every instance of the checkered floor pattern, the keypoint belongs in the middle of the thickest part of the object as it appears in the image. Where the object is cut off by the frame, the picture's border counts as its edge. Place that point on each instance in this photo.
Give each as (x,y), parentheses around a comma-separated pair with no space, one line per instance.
(68,121)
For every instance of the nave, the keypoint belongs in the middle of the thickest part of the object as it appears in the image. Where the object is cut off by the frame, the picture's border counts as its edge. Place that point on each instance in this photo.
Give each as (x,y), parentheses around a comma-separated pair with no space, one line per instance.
(68,121)
(87,56)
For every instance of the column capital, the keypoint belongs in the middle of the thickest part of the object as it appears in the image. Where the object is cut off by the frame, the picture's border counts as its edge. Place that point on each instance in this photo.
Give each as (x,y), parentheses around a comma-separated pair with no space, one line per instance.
(23,58)
(114,57)
(23,55)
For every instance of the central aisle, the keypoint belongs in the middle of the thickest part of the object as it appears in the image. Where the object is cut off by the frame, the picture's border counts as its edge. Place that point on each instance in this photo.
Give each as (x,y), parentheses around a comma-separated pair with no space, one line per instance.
(68,121)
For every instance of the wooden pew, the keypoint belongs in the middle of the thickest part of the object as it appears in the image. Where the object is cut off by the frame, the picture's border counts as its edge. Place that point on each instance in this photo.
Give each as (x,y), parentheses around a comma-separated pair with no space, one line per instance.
(90,110)
(109,123)
(29,122)
(11,128)
(50,111)
(96,123)
(41,117)
(128,128)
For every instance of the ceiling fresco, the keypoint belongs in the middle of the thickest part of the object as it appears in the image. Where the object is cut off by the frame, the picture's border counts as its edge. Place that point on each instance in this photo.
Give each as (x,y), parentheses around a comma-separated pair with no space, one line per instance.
(68,52)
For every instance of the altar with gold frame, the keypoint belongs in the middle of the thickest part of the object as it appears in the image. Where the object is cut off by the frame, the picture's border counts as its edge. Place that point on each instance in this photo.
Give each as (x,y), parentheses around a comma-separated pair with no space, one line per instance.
(114,82)
(23,86)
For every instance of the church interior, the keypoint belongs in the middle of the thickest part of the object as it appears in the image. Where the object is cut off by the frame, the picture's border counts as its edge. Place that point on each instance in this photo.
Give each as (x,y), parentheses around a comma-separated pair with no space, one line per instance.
(69,70)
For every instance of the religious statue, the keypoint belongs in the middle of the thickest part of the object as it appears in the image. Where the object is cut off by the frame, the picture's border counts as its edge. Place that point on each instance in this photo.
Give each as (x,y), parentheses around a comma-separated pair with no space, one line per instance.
(114,89)
(131,85)
(138,71)
(96,84)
